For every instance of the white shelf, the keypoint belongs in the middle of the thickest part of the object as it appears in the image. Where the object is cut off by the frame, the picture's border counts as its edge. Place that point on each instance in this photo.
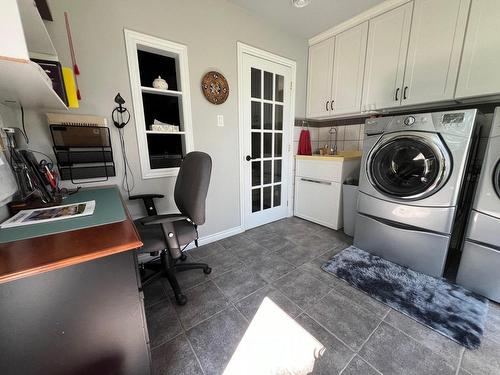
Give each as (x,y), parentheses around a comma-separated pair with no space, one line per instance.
(152,90)
(25,83)
(157,132)
(37,38)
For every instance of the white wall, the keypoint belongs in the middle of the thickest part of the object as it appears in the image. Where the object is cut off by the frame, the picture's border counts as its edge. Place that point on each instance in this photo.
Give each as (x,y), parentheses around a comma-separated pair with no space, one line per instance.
(210,29)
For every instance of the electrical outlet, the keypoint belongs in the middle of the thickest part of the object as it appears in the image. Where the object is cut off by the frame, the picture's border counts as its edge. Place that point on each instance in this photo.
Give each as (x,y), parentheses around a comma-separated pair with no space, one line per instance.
(220,120)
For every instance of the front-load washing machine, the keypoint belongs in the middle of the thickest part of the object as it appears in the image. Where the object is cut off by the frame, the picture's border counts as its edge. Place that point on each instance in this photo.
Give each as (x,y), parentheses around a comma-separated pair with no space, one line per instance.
(412,172)
(479,268)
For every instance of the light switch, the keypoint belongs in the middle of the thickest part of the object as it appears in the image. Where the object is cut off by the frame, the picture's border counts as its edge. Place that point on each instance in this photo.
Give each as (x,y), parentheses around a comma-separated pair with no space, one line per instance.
(220,120)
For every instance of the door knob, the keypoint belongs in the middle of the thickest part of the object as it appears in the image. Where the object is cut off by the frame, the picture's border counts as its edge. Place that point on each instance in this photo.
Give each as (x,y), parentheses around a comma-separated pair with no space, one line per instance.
(248,158)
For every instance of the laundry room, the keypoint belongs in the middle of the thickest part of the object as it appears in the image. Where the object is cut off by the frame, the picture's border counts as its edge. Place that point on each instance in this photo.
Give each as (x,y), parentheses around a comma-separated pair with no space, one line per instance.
(218,187)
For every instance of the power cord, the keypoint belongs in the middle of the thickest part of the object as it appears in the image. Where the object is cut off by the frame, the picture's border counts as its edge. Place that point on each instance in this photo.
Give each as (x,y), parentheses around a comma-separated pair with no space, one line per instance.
(25,134)
(126,167)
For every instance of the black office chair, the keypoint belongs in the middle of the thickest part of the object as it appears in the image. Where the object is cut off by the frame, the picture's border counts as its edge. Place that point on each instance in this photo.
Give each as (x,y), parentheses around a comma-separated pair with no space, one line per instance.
(168,235)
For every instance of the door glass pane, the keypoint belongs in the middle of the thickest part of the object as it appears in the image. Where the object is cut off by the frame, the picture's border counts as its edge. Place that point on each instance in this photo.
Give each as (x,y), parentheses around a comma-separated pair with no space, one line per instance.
(267,197)
(255,200)
(278,117)
(255,83)
(267,171)
(268,86)
(277,196)
(256,145)
(279,86)
(255,173)
(277,171)
(255,115)
(268,143)
(268,116)
(278,139)
(405,167)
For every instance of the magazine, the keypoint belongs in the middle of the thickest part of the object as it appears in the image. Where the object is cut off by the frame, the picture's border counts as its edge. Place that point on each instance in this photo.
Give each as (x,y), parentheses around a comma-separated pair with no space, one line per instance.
(48,214)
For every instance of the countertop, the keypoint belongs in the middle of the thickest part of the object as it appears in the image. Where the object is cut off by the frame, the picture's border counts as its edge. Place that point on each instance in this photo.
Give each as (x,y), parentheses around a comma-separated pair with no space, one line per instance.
(346,155)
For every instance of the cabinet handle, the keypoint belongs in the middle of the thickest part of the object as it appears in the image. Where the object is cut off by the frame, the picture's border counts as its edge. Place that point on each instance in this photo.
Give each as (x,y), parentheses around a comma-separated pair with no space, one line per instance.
(316,181)
(331,104)
(327,105)
(404,92)
(397,94)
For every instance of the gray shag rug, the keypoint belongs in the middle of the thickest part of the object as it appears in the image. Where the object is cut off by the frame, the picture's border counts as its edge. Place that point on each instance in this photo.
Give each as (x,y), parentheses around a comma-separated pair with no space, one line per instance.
(447,308)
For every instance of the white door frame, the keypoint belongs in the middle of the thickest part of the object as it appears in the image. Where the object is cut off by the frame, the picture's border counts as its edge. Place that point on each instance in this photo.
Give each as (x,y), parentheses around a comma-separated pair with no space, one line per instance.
(243,48)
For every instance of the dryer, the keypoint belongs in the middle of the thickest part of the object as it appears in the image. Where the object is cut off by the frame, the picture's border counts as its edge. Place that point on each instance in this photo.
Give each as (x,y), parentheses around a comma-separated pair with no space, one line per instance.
(412,171)
(479,268)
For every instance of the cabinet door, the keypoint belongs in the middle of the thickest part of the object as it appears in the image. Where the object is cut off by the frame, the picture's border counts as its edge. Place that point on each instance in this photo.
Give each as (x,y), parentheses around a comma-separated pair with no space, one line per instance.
(436,39)
(319,201)
(348,70)
(386,58)
(319,82)
(479,70)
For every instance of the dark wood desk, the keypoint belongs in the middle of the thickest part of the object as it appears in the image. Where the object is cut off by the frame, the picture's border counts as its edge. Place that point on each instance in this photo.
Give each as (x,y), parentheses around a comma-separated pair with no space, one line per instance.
(71,303)
(41,254)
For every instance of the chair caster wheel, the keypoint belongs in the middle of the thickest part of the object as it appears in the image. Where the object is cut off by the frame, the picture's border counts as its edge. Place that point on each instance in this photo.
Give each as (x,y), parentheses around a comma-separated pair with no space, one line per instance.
(181,299)
(207,270)
(183,257)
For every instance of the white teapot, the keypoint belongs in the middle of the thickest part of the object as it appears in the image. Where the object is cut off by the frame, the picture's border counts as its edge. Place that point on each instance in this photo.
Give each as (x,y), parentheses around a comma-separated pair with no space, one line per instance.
(160,83)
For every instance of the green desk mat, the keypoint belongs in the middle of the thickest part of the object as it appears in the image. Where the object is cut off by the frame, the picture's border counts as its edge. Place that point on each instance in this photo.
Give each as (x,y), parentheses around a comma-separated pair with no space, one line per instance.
(108,209)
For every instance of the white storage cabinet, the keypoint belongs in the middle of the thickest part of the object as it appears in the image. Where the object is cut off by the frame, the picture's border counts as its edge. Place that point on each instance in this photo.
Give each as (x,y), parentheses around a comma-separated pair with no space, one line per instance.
(318,188)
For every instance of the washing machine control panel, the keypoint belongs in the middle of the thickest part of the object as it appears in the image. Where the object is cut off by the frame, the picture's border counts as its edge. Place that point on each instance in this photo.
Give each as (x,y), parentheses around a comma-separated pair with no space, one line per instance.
(453,120)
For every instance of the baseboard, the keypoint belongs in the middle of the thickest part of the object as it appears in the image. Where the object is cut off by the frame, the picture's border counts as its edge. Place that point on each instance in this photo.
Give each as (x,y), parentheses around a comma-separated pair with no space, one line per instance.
(217,236)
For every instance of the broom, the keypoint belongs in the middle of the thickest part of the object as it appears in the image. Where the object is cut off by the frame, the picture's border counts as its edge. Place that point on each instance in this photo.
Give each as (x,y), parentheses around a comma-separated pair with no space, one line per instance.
(76,70)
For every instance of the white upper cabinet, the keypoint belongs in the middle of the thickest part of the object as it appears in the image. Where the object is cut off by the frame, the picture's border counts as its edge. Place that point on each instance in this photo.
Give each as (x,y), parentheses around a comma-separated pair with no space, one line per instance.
(319,82)
(348,70)
(386,58)
(436,39)
(479,71)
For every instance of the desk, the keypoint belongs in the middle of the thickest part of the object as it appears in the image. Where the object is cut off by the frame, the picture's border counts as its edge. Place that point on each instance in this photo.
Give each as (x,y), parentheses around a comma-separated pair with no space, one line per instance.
(70,303)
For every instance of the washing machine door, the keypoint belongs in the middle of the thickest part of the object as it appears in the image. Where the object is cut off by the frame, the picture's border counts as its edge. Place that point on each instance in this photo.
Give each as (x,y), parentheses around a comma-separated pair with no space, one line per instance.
(409,165)
(496,179)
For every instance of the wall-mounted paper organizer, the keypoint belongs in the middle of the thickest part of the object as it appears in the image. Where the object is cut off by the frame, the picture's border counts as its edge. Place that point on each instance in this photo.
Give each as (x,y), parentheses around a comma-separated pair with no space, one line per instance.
(82,146)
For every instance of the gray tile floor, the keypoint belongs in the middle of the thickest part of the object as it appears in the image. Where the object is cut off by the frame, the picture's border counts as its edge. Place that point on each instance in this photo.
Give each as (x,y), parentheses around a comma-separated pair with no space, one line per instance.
(281,261)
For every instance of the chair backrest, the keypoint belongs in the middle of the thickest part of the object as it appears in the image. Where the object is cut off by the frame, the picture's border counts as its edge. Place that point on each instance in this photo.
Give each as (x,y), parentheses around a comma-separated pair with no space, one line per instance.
(191,186)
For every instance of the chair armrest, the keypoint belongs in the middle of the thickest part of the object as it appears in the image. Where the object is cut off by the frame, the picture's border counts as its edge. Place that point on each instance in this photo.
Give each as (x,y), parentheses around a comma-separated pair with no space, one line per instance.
(145,196)
(161,219)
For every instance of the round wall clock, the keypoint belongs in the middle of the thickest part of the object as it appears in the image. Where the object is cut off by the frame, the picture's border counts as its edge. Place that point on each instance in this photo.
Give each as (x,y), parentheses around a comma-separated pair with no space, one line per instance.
(215,87)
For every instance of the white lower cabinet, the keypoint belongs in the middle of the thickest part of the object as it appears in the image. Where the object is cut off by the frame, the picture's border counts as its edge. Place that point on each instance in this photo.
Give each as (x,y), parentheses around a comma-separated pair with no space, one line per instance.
(318,188)
(319,201)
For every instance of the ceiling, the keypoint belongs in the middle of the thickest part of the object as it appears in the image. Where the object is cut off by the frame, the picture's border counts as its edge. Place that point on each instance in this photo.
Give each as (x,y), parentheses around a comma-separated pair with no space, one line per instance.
(318,16)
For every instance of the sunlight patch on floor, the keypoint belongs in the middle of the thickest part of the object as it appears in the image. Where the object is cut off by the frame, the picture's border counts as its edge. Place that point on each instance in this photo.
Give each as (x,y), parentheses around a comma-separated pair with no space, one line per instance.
(274,344)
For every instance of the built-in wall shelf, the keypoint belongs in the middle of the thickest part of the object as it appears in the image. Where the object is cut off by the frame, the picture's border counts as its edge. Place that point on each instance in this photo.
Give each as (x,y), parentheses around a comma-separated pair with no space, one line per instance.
(25,83)
(152,90)
(163,133)
(161,153)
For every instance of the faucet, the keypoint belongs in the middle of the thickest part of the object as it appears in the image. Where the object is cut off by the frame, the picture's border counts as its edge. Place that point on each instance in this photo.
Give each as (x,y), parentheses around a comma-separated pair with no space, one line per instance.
(333,146)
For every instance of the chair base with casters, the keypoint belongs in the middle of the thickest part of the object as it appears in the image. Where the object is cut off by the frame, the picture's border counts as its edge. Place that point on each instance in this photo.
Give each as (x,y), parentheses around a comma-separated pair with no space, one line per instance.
(174,230)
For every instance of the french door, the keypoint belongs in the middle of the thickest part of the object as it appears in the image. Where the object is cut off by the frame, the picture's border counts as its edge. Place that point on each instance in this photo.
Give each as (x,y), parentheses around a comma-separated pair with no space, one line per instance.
(265,104)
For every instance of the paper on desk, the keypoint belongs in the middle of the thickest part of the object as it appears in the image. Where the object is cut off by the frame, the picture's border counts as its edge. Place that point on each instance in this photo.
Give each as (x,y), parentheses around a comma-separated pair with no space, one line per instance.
(44,215)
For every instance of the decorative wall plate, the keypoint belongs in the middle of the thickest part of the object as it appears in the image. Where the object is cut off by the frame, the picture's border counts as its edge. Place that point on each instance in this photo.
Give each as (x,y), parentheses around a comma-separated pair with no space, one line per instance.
(215,87)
